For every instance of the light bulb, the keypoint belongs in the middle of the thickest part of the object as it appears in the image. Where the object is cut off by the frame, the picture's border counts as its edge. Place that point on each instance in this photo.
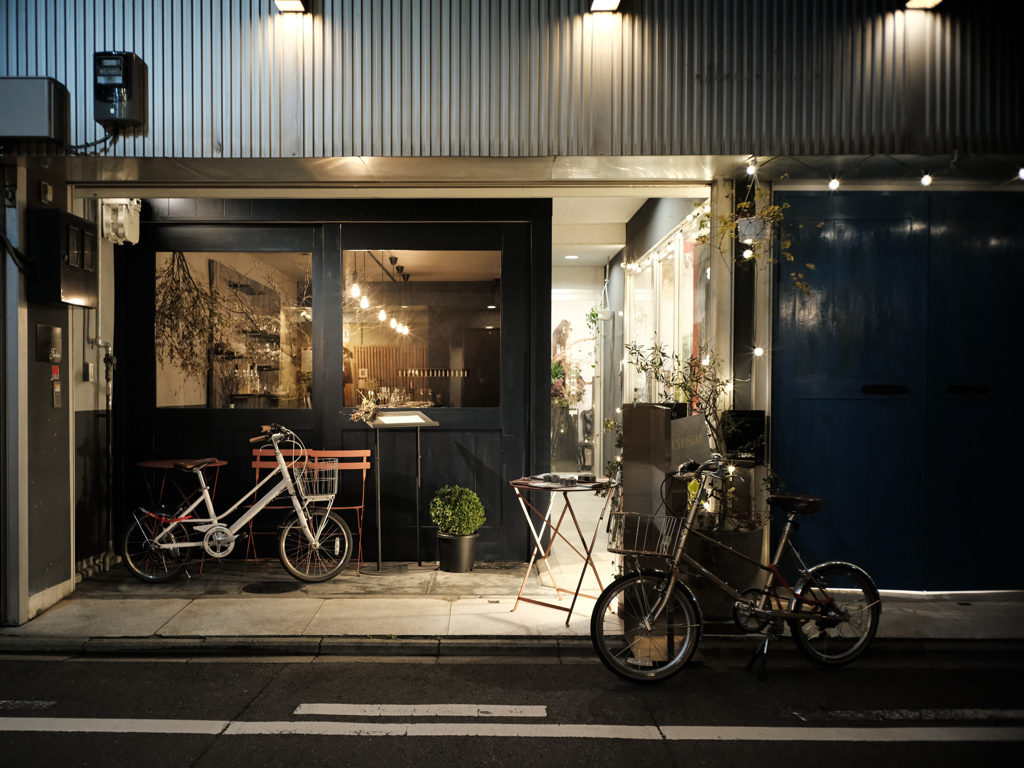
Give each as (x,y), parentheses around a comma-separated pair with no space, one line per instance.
(751,169)
(619,457)
(393,322)
(926,180)
(355,290)
(758,351)
(382,315)
(1020,174)
(405,330)
(747,253)
(731,470)
(834,184)
(728,387)
(707,505)
(365,303)
(618,410)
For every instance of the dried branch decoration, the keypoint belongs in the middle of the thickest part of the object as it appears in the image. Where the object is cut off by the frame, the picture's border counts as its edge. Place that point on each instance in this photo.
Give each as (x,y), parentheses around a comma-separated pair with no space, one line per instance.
(187,316)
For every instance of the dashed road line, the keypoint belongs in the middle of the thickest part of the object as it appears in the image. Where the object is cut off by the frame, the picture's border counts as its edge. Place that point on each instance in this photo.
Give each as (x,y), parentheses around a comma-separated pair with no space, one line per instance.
(421,710)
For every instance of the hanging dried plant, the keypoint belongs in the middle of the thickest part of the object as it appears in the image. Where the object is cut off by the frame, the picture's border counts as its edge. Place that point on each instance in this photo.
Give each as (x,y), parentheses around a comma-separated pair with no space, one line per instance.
(187,315)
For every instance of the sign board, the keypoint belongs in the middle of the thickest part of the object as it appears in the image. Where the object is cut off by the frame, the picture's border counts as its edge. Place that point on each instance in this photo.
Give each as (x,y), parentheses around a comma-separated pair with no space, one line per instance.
(690,440)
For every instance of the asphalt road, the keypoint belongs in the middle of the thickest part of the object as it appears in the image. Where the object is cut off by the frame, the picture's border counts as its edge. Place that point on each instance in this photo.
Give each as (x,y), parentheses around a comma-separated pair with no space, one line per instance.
(958,710)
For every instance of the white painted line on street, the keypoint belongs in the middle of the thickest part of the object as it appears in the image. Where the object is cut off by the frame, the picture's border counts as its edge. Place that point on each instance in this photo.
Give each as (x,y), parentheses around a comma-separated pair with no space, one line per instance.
(421,710)
(103,725)
(714,733)
(930,714)
(511,730)
(8,704)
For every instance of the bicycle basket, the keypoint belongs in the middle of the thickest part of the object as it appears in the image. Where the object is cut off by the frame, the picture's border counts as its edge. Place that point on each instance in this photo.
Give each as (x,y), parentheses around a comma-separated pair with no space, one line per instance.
(633,534)
(317,480)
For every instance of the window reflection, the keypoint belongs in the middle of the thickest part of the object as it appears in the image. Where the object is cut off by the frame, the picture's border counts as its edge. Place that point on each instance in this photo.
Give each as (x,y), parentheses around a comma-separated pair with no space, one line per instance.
(422,328)
(258,353)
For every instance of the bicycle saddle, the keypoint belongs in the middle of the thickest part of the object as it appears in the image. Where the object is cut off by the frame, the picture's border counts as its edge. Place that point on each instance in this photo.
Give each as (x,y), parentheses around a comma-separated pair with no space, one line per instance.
(798,505)
(193,463)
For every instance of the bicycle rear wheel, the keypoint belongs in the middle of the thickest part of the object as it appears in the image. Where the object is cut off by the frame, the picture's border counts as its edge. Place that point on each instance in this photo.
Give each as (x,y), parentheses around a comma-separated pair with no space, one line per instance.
(145,560)
(839,633)
(322,560)
(629,643)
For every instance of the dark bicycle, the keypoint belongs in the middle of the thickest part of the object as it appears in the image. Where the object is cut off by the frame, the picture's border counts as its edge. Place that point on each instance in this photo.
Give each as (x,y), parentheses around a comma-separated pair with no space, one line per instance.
(647,624)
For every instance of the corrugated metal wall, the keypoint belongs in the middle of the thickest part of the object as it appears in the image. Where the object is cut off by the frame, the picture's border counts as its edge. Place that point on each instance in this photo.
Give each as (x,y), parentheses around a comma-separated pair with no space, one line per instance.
(235,78)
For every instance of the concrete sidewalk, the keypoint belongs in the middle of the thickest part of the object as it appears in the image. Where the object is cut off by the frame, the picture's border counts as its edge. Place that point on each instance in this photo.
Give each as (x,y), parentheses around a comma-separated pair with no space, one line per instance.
(234,606)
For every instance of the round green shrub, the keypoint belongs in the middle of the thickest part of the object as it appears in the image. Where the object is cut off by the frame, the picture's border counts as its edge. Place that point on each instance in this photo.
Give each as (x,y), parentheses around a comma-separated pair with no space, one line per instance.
(456,511)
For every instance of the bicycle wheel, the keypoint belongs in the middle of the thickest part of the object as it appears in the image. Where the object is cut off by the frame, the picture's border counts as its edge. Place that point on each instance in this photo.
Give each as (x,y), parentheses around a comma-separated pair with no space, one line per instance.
(842,631)
(323,560)
(148,562)
(632,646)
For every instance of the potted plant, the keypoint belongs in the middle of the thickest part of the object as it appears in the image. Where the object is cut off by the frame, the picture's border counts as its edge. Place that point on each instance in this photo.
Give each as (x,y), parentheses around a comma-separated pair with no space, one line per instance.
(458,513)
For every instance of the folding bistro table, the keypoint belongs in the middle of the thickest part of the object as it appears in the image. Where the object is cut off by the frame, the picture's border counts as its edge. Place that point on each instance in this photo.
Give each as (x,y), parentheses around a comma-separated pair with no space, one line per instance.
(534,484)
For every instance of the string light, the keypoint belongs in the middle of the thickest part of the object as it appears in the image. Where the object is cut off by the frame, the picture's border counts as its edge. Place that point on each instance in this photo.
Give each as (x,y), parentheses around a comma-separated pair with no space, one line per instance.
(926,180)
(758,351)
(405,330)
(355,290)
(747,253)
(728,387)
(365,303)
(382,315)
(834,184)
(751,169)
(1020,174)
(394,323)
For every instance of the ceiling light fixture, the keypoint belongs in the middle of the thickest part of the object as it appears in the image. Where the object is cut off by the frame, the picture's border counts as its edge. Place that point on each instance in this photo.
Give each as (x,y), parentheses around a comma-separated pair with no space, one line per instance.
(292,6)
(604,6)
(922,4)
(572,257)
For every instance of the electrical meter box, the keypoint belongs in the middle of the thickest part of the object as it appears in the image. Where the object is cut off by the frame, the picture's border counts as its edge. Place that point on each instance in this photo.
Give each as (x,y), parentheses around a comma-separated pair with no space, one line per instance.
(64,253)
(120,82)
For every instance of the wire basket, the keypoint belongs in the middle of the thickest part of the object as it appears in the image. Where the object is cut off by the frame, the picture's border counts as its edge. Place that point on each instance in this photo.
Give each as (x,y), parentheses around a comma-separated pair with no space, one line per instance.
(633,534)
(317,480)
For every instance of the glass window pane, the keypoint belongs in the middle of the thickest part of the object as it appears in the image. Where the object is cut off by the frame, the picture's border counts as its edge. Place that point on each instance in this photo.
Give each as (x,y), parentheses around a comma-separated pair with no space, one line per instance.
(422,328)
(234,330)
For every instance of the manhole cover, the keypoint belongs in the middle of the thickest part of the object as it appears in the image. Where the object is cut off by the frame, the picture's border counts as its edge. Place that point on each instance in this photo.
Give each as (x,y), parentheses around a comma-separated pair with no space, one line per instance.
(270,587)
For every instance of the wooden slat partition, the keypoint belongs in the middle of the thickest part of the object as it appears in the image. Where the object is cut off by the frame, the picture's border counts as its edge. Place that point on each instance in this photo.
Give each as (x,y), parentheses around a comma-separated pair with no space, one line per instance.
(385,362)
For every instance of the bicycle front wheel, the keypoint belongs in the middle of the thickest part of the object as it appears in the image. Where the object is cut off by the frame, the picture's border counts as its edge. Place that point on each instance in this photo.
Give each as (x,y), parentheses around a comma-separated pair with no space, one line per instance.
(837,633)
(144,559)
(630,643)
(321,560)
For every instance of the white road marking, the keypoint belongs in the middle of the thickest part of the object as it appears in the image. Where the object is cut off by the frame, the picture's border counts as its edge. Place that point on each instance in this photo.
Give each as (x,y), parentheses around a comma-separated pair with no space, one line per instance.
(103,725)
(7,704)
(704,733)
(421,710)
(930,714)
(511,730)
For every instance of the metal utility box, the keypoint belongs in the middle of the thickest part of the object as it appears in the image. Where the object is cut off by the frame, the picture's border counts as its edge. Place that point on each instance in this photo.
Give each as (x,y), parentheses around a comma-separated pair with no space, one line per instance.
(34,109)
(64,252)
(120,89)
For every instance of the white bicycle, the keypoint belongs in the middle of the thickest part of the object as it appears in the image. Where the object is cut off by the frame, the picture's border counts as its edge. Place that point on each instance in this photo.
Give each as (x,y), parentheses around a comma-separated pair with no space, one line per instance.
(314,542)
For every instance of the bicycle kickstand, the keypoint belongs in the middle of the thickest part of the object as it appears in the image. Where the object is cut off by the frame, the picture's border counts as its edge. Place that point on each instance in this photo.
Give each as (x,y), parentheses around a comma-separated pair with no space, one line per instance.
(762,653)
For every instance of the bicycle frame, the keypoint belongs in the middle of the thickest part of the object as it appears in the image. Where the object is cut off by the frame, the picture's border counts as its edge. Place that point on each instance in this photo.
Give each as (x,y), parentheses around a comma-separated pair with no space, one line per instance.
(213,518)
(770,589)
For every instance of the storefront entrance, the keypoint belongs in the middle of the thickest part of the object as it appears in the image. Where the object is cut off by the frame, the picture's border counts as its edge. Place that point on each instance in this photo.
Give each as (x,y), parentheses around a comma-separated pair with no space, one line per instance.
(317,313)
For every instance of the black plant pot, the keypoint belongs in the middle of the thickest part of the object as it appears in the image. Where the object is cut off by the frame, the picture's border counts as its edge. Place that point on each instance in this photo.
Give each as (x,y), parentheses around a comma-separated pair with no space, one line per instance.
(456,553)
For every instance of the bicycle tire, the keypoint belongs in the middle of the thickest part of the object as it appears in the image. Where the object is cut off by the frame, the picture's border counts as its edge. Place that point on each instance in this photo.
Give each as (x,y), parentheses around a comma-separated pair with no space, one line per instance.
(635,653)
(146,562)
(842,635)
(323,561)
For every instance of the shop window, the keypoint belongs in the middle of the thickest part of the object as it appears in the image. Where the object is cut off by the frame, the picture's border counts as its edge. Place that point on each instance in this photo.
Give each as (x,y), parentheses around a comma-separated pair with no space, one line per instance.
(234,330)
(666,297)
(422,328)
